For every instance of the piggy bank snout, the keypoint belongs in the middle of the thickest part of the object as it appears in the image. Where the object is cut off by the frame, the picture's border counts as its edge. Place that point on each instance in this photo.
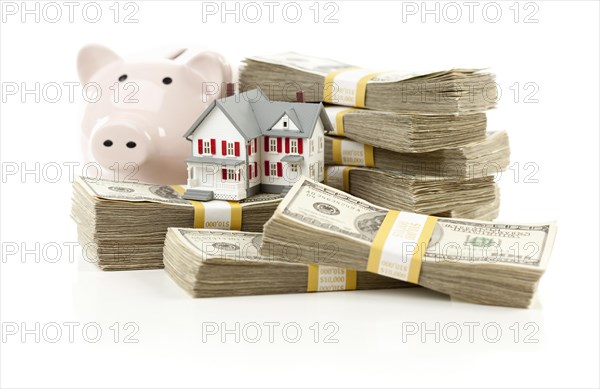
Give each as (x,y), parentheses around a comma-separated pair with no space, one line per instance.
(120,143)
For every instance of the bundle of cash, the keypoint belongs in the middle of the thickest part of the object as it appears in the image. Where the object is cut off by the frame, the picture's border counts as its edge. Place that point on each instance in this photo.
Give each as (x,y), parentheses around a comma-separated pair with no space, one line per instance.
(406,133)
(122,225)
(324,80)
(464,198)
(484,158)
(475,261)
(213,263)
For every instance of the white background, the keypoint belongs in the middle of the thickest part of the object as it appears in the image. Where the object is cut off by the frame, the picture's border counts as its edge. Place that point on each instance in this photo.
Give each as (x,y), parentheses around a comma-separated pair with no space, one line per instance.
(559,134)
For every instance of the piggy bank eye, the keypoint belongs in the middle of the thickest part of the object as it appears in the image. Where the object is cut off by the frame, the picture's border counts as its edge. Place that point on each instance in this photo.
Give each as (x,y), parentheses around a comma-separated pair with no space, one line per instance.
(167,80)
(123,78)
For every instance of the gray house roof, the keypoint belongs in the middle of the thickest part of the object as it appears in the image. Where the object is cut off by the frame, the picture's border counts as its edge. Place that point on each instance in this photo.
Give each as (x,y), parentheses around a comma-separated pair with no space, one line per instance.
(254,115)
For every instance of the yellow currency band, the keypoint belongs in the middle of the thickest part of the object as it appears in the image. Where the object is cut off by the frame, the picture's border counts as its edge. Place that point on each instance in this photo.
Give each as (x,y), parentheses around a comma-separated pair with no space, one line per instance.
(417,258)
(337,151)
(346,178)
(328,86)
(200,211)
(380,238)
(361,86)
(361,89)
(383,234)
(236,215)
(339,121)
(313,279)
(369,156)
(351,279)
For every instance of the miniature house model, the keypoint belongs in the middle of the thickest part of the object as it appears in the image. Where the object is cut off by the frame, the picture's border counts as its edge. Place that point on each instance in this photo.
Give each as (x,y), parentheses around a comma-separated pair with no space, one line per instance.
(245,144)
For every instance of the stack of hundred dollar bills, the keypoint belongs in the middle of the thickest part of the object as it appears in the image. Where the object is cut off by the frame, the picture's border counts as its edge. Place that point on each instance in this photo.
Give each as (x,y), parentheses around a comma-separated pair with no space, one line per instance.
(122,225)
(415,141)
(475,261)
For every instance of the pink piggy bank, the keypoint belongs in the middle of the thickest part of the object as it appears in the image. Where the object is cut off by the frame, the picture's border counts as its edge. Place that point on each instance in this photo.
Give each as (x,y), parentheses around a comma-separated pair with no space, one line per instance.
(137,112)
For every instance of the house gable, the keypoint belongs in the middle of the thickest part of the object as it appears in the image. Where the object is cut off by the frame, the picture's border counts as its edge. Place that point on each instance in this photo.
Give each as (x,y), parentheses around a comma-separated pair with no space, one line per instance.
(303,115)
(288,121)
(210,134)
(238,110)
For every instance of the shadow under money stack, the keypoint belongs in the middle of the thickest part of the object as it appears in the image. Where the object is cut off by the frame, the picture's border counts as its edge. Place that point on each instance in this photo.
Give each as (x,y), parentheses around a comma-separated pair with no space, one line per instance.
(422,143)
(122,225)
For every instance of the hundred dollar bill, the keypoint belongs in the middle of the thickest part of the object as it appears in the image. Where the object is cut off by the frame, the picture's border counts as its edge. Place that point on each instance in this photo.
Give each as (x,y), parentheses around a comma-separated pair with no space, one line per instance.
(435,92)
(123,224)
(482,262)
(214,263)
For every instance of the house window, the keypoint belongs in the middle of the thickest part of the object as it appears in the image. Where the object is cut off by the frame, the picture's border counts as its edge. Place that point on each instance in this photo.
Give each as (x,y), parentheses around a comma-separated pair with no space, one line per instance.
(285,123)
(273,169)
(253,146)
(294,168)
(311,147)
(206,147)
(231,174)
(321,145)
(273,145)
(230,148)
(320,168)
(294,146)
(311,170)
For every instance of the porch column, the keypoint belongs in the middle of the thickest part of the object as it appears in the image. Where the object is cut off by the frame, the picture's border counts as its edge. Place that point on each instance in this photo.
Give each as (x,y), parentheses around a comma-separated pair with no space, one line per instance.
(190,175)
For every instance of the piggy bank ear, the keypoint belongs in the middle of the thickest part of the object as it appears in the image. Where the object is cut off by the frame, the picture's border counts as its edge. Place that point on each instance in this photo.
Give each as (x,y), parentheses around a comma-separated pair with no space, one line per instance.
(212,66)
(92,58)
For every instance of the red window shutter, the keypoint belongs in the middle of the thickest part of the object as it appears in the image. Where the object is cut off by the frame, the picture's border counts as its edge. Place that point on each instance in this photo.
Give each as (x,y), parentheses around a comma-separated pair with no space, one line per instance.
(213,146)
(200,146)
(237,149)
(255,169)
(238,175)
(249,172)
(224,174)
(279,145)
(300,143)
(249,149)
(266,140)
(255,143)
(287,145)
(267,172)
(224,147)
(279,169)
